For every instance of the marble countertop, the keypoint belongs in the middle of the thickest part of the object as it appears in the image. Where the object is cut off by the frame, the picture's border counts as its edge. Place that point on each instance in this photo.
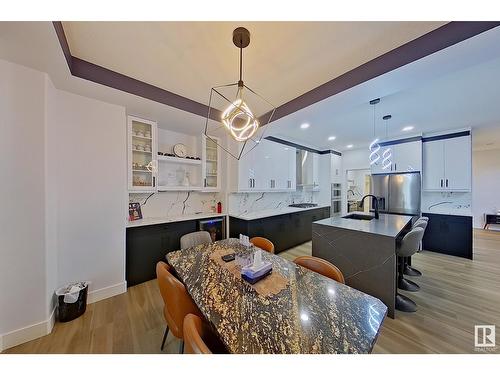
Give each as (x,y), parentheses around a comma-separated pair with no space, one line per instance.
(387,225)
(171,219)
(273,212)
(311,314)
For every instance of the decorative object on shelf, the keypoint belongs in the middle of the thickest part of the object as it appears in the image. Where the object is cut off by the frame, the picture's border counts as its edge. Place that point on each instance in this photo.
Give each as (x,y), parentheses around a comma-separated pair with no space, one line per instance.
(180,150)
(387,154)
(134,211)
(374,146)
(233,108)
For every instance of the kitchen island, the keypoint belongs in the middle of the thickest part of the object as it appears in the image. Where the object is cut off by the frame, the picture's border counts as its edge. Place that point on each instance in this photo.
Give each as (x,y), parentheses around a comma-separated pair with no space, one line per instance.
(364,250)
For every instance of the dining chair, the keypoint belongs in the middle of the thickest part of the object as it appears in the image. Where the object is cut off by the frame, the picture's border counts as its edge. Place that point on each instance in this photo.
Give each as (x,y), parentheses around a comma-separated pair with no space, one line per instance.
(177,303)
(195,239)
(199,337)
(263,243)
(321,266)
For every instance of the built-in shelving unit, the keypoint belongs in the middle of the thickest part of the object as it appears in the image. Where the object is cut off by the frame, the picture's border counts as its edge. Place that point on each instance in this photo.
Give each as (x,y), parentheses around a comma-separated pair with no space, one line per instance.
(142,161)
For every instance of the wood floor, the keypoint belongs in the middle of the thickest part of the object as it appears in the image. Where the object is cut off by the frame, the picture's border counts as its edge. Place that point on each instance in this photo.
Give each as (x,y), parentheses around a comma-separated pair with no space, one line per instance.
(455,295)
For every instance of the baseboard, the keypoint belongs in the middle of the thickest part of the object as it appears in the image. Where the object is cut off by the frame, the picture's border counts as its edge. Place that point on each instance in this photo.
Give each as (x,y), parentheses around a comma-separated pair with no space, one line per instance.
(25,334)
(110,291)
(32,332)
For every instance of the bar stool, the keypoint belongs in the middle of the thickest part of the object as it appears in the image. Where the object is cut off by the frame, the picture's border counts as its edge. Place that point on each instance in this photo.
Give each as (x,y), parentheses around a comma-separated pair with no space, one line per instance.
(409,270)
(409,246)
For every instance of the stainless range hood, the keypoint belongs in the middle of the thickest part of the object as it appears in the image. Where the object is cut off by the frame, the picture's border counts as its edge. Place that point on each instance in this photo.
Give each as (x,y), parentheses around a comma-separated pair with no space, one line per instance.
(304,168)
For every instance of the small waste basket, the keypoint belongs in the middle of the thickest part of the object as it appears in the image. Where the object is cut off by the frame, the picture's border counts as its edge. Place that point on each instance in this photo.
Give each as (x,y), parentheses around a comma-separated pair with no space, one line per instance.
(72,301)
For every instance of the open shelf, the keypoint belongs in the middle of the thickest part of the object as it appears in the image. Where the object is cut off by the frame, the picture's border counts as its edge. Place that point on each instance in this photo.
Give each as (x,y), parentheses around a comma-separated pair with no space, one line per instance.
(144,152)
(139,137)
(141,170)
(179,188)
(174,159)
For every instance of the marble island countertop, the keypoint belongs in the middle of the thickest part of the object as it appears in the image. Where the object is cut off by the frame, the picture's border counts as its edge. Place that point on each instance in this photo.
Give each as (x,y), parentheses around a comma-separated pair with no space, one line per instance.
(171,219)
(273,212)
(311,314)
(387,225)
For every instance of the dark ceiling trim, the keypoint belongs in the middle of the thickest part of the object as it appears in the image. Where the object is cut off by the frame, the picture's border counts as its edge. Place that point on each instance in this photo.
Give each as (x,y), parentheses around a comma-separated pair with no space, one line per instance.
(427,44)
(98,74)
(301,147)
(436,40)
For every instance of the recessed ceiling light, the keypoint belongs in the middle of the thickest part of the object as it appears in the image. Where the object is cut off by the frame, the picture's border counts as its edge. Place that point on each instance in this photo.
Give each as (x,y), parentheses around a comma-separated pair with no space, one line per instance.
(349,146)
(304,125)
(407,128)
(332,138)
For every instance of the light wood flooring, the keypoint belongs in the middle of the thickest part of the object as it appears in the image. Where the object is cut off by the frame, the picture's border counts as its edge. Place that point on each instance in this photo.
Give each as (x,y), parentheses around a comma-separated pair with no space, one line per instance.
(455,295)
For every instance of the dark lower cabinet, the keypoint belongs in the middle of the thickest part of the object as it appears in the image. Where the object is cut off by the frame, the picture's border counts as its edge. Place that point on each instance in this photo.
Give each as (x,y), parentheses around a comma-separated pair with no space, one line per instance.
(285,231)
(449,234)
(148,245)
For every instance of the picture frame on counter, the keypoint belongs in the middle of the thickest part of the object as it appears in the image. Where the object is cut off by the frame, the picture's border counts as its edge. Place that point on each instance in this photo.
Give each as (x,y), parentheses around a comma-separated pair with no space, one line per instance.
(134,211)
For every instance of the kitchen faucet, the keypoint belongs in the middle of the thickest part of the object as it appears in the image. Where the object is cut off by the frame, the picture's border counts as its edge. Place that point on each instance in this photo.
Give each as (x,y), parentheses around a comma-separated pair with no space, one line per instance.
(375,203)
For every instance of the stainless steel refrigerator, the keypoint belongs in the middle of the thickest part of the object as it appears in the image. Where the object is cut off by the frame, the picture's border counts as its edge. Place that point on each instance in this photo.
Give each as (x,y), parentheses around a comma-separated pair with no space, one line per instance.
(397,193)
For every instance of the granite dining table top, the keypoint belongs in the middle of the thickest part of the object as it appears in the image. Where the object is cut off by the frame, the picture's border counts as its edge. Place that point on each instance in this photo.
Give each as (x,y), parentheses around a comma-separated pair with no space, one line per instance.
(310,314)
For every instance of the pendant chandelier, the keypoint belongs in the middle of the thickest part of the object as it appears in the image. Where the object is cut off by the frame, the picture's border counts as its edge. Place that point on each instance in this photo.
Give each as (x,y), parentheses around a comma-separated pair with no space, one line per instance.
(387,154)
(238,111)
(374,146)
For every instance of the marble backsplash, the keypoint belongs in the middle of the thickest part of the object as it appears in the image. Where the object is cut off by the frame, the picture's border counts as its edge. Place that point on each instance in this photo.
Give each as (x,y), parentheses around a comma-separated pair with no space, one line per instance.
(166,204)
(446,202)
(243,203)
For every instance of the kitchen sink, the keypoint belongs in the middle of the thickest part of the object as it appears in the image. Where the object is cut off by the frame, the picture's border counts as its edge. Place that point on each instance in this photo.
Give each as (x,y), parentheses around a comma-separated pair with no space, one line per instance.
(358,217)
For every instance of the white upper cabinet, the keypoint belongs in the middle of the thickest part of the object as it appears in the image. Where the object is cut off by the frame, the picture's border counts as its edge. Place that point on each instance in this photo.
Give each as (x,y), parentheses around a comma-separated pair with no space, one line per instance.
(142,155)
(406,157)
(268,167)
(447,164)
(211,164)
(336,168)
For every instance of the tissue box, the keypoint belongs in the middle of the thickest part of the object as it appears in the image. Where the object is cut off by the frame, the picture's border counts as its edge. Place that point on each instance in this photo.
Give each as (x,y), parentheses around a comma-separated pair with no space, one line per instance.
(252,274)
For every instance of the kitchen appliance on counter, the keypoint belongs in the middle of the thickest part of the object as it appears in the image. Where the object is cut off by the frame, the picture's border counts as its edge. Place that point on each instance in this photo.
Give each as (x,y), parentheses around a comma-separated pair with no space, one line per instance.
(216,227)
(397,193)
(336,202)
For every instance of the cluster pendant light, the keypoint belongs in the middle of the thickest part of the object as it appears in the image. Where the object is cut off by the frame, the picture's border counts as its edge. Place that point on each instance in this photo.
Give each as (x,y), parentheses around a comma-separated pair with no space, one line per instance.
(374,146)
(237,115)
(387,154)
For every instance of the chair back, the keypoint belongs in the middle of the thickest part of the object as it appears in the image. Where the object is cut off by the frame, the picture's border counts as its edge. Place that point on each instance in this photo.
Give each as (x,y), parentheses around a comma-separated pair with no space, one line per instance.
(177,301)
(410,243)
(263,243)
(195,239)
(321,266)
(420,223)
(199,337)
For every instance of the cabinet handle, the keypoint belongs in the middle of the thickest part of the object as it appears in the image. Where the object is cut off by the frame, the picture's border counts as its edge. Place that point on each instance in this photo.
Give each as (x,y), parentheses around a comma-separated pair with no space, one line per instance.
(154,181)
(395,167)
(205,182)
(446,182)
(249,182)
(441,182)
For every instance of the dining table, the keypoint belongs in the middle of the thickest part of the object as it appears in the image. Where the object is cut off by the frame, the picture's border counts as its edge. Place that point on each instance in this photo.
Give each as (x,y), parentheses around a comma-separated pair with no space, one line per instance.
(293,310)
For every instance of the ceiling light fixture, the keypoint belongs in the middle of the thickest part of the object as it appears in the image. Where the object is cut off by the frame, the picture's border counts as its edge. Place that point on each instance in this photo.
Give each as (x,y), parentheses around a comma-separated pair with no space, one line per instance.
(332,138)
(374,147)
(407,128)
(387,154)
(237,116)
(349,146)
(304,126)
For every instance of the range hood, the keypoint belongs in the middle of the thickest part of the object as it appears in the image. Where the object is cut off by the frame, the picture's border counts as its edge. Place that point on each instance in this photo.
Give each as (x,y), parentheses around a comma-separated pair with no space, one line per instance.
(304,168)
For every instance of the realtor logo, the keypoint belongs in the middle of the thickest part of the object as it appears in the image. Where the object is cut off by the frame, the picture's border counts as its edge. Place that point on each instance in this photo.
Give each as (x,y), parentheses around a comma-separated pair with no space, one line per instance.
(484,336)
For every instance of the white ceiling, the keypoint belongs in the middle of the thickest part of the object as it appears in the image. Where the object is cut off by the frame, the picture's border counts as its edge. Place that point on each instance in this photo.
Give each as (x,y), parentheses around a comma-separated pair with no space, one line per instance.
(451,89)
(283,60)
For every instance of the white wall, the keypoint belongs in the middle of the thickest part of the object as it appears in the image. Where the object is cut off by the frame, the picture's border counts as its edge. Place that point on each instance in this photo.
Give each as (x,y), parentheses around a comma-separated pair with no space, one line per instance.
(87,151)
(485,185)
(63,174)
(22,188)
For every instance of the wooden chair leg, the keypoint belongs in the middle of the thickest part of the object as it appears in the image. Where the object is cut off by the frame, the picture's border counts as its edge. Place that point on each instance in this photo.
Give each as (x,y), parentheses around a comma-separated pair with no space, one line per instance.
(164,338)
(181,347)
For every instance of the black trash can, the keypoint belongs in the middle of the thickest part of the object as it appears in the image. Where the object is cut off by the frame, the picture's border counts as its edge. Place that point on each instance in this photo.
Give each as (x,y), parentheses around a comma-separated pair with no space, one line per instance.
(71,301)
